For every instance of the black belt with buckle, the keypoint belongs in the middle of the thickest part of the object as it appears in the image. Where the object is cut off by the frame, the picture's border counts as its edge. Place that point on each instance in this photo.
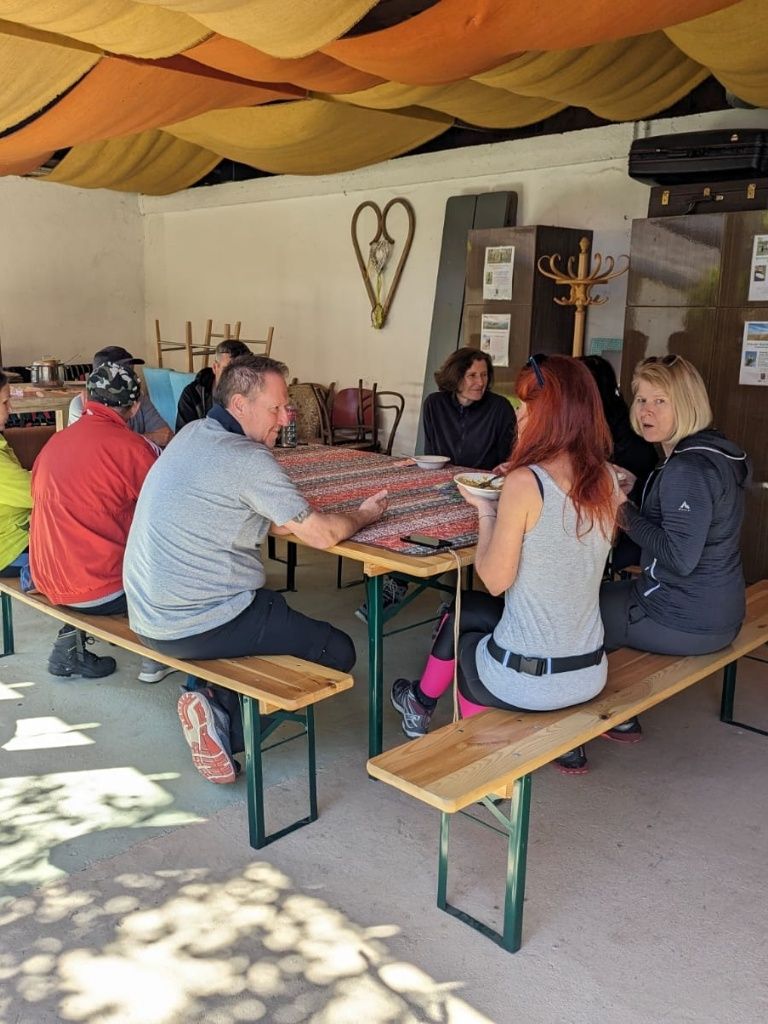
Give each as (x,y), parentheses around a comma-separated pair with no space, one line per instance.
(542,666)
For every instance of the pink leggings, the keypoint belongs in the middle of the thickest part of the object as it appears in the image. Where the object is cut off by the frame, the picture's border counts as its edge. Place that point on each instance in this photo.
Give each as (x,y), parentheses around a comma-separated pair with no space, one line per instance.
(437,677)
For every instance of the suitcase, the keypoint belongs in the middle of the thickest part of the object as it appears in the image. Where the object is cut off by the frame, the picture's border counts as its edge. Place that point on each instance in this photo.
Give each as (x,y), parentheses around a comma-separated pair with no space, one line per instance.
(717,197)
(700,156)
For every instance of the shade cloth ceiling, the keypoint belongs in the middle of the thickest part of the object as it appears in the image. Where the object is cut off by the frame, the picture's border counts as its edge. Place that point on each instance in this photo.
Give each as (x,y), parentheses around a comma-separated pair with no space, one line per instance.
(149,96)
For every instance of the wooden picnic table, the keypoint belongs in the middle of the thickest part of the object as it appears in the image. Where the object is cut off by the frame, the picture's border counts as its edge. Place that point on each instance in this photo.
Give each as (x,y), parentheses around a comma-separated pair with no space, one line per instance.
(336,479)
(41,398)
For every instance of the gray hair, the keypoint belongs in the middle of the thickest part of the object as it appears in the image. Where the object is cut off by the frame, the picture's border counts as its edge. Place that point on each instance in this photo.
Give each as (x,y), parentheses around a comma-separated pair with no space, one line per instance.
(244,375)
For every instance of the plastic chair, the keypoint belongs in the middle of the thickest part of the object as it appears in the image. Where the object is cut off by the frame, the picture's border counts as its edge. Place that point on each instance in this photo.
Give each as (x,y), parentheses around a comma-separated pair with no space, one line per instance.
(178,382)
(158,384)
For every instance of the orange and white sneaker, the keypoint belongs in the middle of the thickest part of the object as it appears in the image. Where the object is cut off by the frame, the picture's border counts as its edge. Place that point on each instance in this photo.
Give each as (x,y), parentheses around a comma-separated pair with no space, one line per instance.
(207,736)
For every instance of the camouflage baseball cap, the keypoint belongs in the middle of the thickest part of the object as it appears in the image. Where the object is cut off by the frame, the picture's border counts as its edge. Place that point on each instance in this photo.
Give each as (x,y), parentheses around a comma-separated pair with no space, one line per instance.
(113,384)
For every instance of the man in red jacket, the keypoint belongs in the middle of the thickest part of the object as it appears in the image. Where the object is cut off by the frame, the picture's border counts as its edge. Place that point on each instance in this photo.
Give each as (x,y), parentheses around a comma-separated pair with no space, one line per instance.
(85,484)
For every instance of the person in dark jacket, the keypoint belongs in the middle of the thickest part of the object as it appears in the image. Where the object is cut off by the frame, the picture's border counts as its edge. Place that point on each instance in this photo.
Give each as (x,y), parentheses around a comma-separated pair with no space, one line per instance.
(196,399)
(689,598)
(464,419)
(630,451)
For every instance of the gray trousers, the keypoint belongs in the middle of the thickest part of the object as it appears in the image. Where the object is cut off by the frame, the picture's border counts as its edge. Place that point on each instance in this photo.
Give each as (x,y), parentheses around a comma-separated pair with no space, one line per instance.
(627,625)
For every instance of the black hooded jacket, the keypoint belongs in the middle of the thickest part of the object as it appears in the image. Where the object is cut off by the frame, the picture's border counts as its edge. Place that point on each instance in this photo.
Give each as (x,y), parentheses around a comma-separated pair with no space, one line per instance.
(196,399)
(688,528)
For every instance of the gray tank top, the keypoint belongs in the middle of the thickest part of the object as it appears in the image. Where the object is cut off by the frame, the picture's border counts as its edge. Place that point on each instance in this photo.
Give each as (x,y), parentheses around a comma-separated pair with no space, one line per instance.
(552,609)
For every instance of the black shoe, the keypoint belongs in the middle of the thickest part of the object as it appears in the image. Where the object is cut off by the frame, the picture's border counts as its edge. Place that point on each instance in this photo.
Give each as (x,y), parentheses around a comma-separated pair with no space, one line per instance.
(572,763)
(70,657)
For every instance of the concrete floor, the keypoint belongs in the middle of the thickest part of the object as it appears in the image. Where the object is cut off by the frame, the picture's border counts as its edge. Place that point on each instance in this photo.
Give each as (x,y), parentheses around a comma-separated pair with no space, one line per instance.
(131,894)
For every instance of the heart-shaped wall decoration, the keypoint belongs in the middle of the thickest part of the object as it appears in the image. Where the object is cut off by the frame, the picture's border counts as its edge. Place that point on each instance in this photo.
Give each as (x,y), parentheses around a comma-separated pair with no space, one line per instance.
(379,250)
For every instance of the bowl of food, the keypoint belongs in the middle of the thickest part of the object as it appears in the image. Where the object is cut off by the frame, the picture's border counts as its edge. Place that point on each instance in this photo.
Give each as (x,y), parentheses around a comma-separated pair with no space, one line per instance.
(431,461)
(481,485)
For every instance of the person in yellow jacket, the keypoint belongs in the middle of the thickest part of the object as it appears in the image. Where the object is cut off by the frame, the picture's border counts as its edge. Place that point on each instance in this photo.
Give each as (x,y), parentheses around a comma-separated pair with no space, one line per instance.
(15,497)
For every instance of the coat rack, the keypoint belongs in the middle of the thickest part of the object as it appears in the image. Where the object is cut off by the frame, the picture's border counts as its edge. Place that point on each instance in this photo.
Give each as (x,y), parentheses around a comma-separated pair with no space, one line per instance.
(581,284)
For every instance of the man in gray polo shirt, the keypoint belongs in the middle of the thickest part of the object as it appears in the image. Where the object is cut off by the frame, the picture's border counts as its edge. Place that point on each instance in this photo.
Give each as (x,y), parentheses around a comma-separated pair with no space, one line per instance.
(193,573)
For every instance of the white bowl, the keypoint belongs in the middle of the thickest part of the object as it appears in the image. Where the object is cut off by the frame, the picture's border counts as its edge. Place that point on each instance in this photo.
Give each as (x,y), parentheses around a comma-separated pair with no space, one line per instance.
(478,484)
(431,461)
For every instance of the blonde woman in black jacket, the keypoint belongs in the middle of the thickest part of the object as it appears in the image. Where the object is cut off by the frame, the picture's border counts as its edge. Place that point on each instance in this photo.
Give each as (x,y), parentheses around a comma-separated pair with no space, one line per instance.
(689,598)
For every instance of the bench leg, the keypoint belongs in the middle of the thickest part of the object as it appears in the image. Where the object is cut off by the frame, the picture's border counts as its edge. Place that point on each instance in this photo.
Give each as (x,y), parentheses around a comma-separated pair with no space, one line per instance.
(516,829)
(727,700)
(256,731)
(7,624)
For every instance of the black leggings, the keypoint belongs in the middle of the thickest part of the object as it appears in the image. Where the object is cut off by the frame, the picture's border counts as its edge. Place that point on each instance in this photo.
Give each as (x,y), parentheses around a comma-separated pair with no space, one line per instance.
(267,626)
(480,614)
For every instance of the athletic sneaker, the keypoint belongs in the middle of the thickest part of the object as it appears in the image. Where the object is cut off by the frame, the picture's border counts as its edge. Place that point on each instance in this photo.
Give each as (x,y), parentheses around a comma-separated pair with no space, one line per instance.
(394,593)
(416,717)
(153,671)
(628,732)
(574,762)
(206,730)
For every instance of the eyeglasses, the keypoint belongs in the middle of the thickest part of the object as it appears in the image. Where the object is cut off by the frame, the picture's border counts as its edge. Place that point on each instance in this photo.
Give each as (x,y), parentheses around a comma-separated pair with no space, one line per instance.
(669,360)
(535,363)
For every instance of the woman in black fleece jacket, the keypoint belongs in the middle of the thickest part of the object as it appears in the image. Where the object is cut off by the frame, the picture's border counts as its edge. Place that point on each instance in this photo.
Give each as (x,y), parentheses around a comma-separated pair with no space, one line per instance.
(689,598)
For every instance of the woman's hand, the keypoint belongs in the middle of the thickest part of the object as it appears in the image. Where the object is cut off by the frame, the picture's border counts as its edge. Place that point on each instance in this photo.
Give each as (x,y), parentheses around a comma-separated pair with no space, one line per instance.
(487,506)
(627,479)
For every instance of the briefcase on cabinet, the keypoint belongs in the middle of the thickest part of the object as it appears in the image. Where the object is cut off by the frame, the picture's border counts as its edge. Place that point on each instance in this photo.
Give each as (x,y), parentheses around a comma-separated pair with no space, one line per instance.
(716,197)
(700,156)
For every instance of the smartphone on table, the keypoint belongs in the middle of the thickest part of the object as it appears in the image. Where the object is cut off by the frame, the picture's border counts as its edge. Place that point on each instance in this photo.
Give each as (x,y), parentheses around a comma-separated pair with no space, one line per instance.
(425,541)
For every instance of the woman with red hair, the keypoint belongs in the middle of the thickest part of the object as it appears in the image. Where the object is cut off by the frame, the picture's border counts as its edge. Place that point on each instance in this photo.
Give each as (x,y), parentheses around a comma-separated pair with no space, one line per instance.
(534,642)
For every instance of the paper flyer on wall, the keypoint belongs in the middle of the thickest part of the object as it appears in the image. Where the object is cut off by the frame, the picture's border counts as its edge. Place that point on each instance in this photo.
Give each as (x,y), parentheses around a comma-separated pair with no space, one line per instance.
(497,271)
(494,337)
(758,274)
(754,353)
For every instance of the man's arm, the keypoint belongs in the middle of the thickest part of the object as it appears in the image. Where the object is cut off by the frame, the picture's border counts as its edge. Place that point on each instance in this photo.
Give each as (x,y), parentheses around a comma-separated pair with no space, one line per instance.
(324,529)
(188,408)
(155,427)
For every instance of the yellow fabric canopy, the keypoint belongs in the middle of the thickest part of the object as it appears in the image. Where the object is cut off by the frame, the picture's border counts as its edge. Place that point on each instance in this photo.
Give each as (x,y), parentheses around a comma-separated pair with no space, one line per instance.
(733,45)
(621,81)
(309,137)
(299,86)
(154,162)
(283,28)
(33,74)
(469,101)
(120,26)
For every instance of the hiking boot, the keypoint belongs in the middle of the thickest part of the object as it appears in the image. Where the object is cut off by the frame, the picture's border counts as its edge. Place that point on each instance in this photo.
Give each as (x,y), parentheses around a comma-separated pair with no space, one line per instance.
(206,730)
(628,732)
(574,762)
(69,656)
(153,671)
(393,594)
(416,717)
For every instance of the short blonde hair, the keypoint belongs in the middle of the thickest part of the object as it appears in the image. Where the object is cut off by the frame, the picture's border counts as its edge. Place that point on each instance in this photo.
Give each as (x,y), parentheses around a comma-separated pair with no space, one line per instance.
(682,384)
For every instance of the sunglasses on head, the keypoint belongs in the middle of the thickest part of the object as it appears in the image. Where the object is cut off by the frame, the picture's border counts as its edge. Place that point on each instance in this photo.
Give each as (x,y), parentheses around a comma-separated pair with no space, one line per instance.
(535,362)
(669,360)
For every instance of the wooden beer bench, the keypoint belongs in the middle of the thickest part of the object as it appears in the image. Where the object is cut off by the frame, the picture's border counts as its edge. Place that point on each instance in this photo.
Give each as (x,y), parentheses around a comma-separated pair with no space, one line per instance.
(495,752)
(273,690)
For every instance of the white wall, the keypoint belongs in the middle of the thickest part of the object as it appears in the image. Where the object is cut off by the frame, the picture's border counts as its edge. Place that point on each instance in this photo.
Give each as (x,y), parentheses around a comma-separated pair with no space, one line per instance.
(71,271)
